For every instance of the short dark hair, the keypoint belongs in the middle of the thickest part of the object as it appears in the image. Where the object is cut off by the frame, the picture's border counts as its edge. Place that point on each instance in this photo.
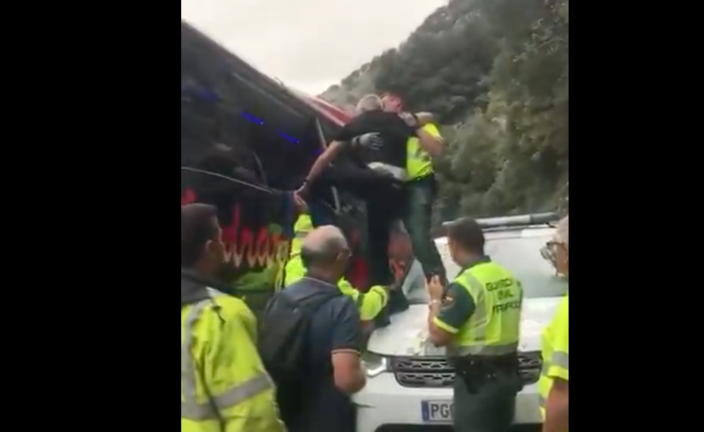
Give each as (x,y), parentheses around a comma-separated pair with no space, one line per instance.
(197,228)
(396,95)
(467,233)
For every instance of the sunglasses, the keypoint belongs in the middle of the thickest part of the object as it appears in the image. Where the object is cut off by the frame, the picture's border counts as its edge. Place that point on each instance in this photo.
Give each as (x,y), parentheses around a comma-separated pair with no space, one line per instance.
(550,250)
(344,254)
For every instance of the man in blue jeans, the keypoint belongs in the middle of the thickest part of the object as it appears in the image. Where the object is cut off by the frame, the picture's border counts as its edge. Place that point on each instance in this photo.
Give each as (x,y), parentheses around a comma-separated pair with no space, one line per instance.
(420,187)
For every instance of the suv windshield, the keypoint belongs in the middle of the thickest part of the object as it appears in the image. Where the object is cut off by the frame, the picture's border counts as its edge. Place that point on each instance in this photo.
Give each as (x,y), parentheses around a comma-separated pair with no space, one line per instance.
(519,251)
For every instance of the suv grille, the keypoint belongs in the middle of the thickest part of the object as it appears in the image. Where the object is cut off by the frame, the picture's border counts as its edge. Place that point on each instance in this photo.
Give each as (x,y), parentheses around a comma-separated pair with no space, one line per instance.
(438,372)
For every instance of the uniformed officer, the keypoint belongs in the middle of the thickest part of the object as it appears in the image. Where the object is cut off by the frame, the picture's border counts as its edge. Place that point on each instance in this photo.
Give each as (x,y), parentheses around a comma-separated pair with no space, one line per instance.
(420,184)
(224,386)
(369,303)
(555,376)
(478,321)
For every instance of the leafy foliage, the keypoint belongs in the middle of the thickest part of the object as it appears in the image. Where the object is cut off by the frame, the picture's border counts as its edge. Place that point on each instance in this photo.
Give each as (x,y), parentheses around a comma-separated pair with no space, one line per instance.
(496,74)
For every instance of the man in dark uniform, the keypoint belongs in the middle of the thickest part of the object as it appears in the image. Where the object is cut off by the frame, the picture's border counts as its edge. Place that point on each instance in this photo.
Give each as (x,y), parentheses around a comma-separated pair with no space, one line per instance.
(478,320)
(379,177)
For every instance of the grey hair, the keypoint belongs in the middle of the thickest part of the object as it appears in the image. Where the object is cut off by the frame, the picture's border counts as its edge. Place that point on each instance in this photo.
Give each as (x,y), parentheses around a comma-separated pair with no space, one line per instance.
(369,102)
(322,244)
(562,233)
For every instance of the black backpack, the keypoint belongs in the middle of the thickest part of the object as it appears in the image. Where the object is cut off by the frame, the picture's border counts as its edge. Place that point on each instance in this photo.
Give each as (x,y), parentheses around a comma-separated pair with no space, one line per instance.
(284,329)
(283,345)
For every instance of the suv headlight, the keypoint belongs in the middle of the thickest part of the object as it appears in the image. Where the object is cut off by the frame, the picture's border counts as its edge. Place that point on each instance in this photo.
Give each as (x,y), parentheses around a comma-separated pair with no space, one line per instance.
(375,364)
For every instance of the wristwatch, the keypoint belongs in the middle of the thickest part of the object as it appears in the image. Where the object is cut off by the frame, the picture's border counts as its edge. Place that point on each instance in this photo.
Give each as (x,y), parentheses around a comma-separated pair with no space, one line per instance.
(434,302)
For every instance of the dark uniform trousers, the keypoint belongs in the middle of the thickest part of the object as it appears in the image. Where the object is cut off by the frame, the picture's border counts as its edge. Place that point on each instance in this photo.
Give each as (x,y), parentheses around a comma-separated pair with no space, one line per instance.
(489,407)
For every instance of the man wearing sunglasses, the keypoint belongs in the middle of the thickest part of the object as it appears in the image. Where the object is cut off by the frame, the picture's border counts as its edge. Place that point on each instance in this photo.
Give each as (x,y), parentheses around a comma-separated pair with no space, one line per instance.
(554,378)
(369,303)
(331,369)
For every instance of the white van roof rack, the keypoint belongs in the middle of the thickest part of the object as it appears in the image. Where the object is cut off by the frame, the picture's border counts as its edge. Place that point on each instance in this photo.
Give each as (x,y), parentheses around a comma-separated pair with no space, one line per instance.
(518,220)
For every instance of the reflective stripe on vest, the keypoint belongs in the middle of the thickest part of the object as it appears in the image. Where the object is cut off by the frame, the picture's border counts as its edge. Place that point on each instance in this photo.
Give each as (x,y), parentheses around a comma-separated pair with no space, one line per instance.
(558,358)
(475,337)
(190,408)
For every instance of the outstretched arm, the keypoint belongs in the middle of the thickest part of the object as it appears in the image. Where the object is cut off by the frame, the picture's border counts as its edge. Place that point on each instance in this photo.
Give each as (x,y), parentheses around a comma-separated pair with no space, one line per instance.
(322,162)
(370,303)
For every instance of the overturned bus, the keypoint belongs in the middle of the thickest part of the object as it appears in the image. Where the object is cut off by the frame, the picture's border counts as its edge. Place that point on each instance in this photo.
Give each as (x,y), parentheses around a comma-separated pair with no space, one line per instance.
(274,135)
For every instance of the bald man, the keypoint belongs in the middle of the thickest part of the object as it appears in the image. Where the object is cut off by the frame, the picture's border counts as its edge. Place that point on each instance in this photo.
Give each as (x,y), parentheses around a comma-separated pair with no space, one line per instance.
(369,303)
(332,369)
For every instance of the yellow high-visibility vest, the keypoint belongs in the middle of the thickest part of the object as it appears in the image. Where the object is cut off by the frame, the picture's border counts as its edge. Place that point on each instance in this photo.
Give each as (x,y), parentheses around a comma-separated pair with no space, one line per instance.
(224,386)
(556,352)
(493,329)
(418,162)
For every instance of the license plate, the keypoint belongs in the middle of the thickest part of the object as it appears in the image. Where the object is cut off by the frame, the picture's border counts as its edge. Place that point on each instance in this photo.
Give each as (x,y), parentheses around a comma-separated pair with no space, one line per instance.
(437,411)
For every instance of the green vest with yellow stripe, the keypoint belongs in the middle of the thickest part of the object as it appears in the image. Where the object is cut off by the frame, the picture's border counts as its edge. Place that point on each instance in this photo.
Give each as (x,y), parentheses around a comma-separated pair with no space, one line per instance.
(493,328)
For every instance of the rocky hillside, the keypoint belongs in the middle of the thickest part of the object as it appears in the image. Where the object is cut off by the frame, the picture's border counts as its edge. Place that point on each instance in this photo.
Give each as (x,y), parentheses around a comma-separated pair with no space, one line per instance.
(495,73)
(430,59)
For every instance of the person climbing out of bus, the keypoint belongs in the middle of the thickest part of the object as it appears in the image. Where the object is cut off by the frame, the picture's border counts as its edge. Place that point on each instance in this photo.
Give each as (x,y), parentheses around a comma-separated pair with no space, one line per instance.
(377,141)
(397,144)
(369,303)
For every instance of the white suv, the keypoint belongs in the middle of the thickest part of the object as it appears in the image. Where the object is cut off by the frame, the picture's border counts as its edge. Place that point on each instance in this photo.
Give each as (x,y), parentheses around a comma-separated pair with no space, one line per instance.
(409,384)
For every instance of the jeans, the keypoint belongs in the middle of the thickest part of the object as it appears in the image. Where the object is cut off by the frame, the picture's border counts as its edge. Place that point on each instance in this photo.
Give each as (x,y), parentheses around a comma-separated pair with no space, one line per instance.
(420,195)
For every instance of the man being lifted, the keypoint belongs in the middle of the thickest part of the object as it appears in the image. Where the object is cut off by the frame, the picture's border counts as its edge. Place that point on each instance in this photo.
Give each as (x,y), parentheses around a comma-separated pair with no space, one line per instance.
(379,139)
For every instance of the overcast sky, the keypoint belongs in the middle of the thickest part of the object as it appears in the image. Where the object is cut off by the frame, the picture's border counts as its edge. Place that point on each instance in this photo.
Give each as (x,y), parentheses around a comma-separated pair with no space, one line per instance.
(308,44)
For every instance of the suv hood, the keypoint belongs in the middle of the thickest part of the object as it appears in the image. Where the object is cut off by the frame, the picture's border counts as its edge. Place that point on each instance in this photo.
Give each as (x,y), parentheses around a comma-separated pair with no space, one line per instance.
(407,335)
